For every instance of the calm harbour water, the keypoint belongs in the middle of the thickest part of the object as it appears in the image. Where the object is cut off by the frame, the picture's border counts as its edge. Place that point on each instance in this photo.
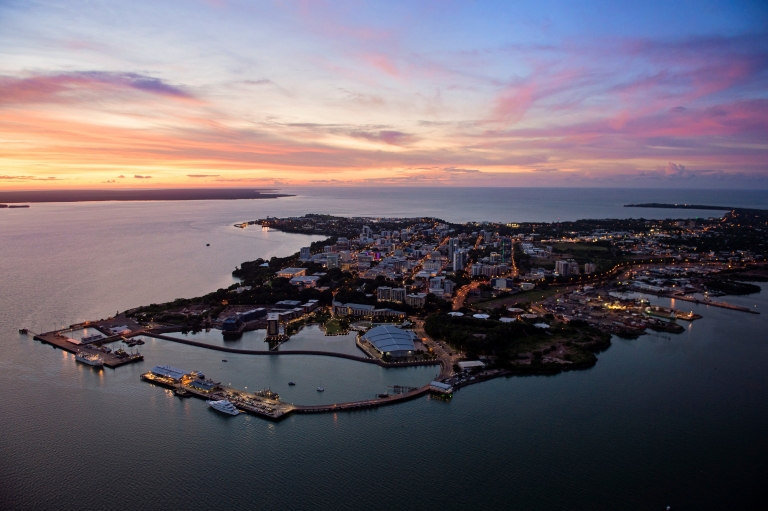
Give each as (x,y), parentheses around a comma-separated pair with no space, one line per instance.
(661,420)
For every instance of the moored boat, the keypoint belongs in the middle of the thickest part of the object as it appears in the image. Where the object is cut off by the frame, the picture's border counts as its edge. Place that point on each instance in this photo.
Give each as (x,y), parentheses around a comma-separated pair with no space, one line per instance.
(91,359)
(223,406)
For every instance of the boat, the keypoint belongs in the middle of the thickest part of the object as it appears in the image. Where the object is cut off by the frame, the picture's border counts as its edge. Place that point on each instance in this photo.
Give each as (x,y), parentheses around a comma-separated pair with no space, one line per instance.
(223,359)
(207,244)
(382,396)
(182,393)
(223,406)
(23,331)
(91,359)
(291,383)
(320,389)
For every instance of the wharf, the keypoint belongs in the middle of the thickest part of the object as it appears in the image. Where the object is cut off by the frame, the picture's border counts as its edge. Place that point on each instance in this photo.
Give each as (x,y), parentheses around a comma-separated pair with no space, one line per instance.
(723,305)
(111,360)
(275,410)
(250,403)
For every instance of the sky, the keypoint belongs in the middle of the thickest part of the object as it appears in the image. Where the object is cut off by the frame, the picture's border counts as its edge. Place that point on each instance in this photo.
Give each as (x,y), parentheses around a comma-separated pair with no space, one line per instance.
(233,93)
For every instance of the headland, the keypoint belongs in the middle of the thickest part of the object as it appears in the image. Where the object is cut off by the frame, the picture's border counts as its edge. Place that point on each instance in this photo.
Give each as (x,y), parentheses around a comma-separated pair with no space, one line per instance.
(479,299)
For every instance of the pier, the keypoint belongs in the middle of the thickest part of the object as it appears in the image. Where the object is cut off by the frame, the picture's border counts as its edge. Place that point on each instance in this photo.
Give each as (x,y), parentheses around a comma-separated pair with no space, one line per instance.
(368,403)
(275,410)
(723,305)
(263,407)
(111,359)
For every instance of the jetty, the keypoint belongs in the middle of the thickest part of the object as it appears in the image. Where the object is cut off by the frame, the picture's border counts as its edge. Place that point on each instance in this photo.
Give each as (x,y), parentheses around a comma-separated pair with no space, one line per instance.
(111,359)
(271,409)
(723,305)
(367,403)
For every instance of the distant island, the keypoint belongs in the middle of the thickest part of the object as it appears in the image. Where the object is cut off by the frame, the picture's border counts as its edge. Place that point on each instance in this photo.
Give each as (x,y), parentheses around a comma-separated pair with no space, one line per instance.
(138,195)
(659,205)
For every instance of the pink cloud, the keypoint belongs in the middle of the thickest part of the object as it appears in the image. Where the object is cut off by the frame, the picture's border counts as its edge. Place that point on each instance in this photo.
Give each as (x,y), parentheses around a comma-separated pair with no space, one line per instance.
(65,87)
(390,137)
(512,104)
(382,62)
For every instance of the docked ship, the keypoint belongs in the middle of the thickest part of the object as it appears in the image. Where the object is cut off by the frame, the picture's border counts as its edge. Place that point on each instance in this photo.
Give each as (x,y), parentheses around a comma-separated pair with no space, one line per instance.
(661,312)
(91,359)
(223,406)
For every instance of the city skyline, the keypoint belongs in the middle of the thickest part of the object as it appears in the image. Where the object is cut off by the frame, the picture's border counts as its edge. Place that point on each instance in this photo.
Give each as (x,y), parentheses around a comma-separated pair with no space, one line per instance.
(230,94)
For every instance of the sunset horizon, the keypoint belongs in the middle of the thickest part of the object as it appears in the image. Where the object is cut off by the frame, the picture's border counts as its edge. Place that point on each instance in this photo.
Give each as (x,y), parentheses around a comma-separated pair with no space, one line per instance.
(232,94)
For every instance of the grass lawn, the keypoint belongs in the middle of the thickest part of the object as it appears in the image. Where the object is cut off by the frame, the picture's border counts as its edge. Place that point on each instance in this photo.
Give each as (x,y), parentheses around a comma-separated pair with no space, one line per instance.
(526,296)
(580,247)
(332,327)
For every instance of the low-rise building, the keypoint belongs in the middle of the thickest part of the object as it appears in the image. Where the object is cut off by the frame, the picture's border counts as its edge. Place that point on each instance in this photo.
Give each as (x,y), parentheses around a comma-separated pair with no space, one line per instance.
(416,299)
(289,273)
(305,281)
(390,341)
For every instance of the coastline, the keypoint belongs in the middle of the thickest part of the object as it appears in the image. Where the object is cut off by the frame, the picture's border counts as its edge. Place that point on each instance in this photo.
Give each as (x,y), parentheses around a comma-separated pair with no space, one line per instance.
(179,194)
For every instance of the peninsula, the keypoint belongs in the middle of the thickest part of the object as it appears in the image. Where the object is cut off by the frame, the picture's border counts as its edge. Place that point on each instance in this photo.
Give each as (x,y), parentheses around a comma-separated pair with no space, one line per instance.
(481,300)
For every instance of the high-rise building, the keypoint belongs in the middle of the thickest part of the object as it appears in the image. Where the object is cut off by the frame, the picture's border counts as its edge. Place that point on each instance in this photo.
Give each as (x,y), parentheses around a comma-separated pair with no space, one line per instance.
(477,269)
(459,260)
(304,254)
(573,268)
(332,260)
(506,249)
(367,232)
(452,244)
(590,268)
(562,267)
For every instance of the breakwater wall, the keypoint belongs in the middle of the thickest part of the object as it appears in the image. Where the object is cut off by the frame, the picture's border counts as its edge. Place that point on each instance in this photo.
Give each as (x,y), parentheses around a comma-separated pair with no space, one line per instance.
(291,352)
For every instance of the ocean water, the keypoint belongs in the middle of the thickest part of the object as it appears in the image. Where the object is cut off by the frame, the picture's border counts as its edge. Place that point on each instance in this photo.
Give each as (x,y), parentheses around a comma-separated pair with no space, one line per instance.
(661,420)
